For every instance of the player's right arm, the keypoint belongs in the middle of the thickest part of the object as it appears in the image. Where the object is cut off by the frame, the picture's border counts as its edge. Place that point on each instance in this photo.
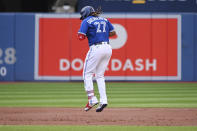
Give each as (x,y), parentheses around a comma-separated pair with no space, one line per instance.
(112,32)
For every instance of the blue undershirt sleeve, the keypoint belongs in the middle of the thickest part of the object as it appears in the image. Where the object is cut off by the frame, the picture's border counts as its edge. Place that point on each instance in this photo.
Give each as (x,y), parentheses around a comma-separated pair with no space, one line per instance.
(84,28)
(111,27)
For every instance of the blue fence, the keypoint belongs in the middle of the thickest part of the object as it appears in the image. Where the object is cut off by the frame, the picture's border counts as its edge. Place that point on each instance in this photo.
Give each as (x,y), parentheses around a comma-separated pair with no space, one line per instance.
(17,44)
(16,47)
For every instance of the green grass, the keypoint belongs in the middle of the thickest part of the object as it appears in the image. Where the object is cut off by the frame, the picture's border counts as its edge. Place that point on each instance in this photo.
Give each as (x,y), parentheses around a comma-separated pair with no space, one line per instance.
(95,128)
(62,94)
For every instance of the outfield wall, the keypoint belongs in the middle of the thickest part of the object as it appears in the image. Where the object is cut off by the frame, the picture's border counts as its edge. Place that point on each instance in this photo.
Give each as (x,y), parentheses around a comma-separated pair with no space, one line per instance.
(148,47)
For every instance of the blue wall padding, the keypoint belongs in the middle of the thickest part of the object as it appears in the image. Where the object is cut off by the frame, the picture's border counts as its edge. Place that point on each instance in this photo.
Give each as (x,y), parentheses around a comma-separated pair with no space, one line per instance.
(195,47)
(7,40)
(187,47)
(25,35)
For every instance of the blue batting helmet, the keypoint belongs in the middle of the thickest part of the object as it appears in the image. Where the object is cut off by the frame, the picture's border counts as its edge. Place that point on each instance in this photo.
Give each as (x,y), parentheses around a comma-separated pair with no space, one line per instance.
(86,11)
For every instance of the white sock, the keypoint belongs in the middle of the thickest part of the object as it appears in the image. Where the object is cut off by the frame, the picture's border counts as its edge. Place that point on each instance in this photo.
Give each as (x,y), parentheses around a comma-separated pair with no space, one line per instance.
(102,90)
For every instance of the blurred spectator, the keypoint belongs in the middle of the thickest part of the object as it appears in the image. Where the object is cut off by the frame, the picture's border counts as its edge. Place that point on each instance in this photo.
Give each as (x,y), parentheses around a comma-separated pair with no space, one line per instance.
(64,6)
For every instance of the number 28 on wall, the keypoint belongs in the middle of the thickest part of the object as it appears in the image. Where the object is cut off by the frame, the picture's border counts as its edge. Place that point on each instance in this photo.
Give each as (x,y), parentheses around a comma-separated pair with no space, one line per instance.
(7,56)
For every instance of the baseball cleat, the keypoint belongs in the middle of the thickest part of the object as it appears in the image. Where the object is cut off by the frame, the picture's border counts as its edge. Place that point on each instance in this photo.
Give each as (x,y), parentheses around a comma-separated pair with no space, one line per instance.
(101,107)
(89,106)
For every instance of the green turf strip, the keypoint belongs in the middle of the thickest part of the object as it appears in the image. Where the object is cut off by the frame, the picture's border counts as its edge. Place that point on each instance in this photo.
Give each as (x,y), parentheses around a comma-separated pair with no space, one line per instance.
(96,128)
(68,94)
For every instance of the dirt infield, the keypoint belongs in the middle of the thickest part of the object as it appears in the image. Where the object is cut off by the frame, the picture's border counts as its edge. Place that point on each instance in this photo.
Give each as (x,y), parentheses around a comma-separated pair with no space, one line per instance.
(110,116)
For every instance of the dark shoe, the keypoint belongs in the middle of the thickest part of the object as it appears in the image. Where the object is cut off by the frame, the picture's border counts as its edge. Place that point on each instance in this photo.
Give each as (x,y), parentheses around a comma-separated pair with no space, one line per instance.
(101,107)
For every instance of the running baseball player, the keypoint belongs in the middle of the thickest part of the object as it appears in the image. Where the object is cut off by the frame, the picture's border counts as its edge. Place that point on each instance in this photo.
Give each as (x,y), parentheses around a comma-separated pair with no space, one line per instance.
(97,30)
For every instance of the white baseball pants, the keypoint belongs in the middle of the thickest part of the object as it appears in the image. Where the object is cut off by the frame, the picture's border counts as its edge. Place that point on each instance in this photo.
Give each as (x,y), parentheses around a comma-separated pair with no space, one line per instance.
(96,63)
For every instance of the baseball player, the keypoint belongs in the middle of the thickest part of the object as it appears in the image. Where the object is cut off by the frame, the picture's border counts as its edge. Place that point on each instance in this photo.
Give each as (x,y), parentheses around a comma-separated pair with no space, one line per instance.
(97,30)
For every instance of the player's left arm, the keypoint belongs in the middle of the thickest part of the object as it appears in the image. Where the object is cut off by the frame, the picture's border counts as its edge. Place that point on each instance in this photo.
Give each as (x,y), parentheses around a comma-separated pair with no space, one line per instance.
(81,36)
(82,31)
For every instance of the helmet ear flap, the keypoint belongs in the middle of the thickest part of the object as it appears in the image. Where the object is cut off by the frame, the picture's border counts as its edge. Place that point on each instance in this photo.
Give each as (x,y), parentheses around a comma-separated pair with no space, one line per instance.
(83,16)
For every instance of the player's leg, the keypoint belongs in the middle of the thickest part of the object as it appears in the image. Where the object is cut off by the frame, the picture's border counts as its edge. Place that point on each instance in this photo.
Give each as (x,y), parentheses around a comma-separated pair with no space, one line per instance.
(100,70)
(88,72)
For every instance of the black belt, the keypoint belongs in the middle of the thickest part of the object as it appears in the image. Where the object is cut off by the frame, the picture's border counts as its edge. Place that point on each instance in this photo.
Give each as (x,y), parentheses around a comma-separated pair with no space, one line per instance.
(100,43)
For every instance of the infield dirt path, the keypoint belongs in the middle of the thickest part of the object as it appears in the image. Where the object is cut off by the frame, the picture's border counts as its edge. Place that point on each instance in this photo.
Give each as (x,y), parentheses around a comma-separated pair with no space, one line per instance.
(110,116)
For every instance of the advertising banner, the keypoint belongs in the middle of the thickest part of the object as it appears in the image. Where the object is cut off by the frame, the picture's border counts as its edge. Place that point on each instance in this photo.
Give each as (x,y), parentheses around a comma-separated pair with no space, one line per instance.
(147,47)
